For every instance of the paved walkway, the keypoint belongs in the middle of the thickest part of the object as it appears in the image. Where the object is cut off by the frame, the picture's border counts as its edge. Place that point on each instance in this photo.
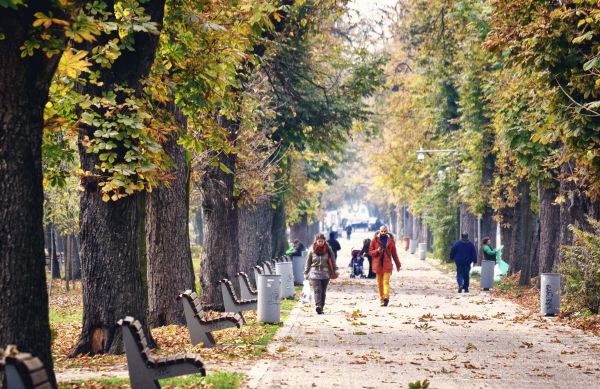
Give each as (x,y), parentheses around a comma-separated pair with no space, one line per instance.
(428,332)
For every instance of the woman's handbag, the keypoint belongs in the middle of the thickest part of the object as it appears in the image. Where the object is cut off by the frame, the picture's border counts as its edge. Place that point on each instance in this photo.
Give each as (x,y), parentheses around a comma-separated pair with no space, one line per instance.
(332,273)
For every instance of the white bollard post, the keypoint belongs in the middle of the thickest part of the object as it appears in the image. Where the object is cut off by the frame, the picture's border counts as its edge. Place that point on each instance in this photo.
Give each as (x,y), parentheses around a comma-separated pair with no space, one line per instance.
(285,270)
(412,246)
(550,294)
(422,251)
(487,274)
(269,298)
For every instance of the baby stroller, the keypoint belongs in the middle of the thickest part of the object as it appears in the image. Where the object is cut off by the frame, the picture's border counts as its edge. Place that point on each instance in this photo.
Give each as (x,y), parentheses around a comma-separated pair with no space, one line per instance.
(357,264)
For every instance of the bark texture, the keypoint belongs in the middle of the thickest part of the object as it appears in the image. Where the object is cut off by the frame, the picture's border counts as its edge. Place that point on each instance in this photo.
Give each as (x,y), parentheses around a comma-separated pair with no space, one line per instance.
(254,235)
(302,232)
(278,228)
(219,204)
(574,209)
(24,84)
(524,232)
(111,233)
(169,258)
(549,229)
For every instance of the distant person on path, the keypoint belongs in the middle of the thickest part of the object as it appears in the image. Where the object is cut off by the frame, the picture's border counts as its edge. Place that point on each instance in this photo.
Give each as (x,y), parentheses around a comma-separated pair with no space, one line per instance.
(365,252)
(463,252)
(333,243)
(383,250)
(334,229)
(318,271)
(348,231)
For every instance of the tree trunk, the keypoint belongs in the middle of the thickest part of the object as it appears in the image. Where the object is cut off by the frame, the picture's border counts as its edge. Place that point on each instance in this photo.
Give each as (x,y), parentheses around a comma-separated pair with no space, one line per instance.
(54,254)
(24,84)
(111,233)
(574,209)
(68,252)
(221,222)
(170,268)
(409,225)
(254,235)
(523,235)
(76,259)
(313,230)
(508,217)
(417,228)
(199,226)
(278,230)
(469,223)
(394,219)
(110,264)
(301,230)
(549,229)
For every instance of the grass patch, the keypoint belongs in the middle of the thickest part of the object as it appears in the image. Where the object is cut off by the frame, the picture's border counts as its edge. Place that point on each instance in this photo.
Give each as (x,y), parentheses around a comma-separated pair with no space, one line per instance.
(216,380)
(66,315)
(270,329)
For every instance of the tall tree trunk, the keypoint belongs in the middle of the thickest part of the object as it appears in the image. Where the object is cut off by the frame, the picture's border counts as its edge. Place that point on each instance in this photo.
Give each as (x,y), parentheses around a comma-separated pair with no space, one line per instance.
(574,209)
(24,84)
(111,233)
(409,225)
(301,231)
(68,253)
(199,226)
(112,280)
(523,235)
(221,246)
(417,228)
(488,227)
(55,264)
(394,219)
(549,229)
(313,230)
(508,218)
(254,235)
(76,274)
(170,268)
(278,230)
(469,223)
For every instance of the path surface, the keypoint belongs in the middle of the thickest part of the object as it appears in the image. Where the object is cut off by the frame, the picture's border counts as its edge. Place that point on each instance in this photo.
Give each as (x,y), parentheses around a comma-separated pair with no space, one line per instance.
(428,332)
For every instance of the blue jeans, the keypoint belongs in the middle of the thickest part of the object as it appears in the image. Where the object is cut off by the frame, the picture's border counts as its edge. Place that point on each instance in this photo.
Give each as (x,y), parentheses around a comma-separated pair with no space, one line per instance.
(462,274)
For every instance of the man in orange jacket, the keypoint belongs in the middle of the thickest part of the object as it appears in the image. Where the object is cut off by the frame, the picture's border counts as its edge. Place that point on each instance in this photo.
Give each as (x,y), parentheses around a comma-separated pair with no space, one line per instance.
(383,250)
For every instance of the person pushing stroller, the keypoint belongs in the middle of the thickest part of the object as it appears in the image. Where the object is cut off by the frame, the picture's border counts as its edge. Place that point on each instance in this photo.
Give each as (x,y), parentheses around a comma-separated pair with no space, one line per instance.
(357,264)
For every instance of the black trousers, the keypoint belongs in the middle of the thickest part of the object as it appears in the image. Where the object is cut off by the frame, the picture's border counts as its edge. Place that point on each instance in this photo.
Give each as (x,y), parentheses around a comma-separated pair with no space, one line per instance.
(319,288)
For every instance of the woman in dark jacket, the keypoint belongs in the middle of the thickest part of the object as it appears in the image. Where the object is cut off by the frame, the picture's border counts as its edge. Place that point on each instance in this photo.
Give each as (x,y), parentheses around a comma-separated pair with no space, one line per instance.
(365,252)
(318,271)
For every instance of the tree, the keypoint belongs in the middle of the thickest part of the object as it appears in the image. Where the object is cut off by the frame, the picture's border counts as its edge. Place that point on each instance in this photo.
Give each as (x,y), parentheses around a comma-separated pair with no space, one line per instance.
(32,39)
(113,139)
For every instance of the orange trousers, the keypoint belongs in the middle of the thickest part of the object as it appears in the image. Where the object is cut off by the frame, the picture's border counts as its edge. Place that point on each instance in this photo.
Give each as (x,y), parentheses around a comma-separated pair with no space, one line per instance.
(383,284)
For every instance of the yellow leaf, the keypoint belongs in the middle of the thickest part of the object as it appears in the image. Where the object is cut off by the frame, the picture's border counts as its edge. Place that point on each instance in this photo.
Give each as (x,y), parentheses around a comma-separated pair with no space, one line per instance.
(105,197)
(72,64)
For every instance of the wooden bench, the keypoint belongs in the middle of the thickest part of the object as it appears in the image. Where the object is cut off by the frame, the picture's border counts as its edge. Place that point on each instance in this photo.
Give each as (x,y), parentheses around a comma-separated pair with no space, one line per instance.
(200,328)
(257,270)
(232,303)
(247,292)
(22,370)
(144,369)
(268,268)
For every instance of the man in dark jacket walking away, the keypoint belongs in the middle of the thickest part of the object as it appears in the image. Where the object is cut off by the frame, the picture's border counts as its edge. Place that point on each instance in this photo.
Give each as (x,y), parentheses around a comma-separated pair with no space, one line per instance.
(463,252)
(333,243)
